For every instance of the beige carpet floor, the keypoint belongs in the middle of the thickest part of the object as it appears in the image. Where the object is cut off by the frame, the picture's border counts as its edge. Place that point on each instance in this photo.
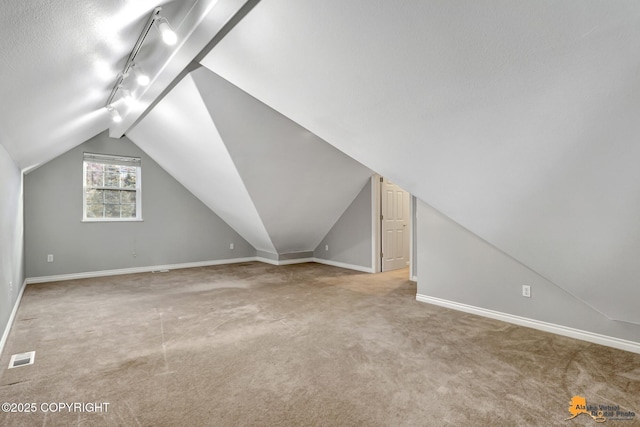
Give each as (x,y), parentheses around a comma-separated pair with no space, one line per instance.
(302,345)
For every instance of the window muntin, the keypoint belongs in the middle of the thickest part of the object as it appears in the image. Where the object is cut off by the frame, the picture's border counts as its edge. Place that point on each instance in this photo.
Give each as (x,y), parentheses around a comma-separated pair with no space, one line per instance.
(111,190)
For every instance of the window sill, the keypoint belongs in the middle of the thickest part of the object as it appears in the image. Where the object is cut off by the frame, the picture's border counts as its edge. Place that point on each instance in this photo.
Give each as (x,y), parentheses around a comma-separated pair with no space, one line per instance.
(113,220)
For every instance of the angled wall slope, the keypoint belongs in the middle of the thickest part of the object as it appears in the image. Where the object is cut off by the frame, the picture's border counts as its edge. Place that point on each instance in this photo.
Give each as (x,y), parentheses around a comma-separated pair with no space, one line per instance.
(279,186)
(180,135)
(299,184)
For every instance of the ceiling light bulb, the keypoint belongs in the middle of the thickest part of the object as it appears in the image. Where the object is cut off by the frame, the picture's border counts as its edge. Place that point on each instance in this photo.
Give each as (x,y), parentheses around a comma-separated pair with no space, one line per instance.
(143,80)
(127,97)
(168,35)
(141,77)
(115,116)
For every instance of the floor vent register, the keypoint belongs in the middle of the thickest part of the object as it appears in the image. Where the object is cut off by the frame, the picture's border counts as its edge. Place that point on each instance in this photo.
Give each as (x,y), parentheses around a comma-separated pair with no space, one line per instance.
(22,359)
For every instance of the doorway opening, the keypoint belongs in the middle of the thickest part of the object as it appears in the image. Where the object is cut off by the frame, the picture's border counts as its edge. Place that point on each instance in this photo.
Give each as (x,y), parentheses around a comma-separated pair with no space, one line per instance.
(394,223)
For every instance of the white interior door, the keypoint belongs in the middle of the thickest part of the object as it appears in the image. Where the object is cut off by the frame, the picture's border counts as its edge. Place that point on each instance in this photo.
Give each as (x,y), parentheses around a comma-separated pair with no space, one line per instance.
(395,226)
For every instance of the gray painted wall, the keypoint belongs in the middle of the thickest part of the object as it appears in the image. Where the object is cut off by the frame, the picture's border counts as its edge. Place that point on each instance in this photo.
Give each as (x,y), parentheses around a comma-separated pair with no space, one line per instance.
(349,239)
(456,265)
(267,255)
(295,255)
(11,236)
(177,227)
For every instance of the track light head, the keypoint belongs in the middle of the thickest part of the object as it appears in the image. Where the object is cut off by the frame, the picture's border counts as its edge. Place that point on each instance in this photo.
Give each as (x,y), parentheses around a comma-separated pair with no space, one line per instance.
(140,76)
(127,96)
(168,35)
(115,115)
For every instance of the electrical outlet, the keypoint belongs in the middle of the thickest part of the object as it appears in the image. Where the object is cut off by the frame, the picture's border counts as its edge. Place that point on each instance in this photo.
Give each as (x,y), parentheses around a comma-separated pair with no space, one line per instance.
(526,291)
(326,247)
(50,258)
(230,245)
(10,286)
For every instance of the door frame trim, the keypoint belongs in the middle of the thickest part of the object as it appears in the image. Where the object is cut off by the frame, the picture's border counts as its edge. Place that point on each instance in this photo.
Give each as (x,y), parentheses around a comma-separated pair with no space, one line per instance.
(376,262)
(413,238)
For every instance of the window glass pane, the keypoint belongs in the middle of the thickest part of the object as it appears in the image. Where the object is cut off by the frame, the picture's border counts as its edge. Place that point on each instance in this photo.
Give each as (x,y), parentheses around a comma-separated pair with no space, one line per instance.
(95,210)
(94,179)
(94,196)
(128,196)
(128,169)
(112,179)
(111,196)
(95,167)
(128,211)
(129,178)
(94,174)
(111,211)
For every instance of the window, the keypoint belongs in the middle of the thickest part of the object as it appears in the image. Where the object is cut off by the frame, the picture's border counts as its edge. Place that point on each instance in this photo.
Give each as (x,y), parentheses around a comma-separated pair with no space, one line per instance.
(111,190)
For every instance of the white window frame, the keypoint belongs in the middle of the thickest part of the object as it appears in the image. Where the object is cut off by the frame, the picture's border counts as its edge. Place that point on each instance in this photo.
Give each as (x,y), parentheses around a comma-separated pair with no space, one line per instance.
(112,160)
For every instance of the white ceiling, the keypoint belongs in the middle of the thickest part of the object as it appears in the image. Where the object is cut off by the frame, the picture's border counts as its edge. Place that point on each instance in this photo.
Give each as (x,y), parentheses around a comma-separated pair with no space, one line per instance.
(59,63)
(515,119)
(518,120)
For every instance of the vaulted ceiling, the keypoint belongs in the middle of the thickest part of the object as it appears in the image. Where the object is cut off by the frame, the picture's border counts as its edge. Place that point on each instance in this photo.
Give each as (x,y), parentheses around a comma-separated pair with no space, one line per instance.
(515,119)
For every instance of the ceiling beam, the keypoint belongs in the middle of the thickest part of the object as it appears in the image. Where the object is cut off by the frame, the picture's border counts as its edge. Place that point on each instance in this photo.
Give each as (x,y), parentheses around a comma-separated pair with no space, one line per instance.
(205,24)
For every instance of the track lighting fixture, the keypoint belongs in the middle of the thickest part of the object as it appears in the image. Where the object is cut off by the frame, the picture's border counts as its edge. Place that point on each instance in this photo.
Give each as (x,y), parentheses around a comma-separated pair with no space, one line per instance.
(168,35)
(115,116)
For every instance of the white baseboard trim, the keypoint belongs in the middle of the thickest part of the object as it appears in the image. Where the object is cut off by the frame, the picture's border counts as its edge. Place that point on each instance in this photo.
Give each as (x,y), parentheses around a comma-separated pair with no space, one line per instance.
(343,265)
(284,261)
(294,261)
(7,329)
(566,331)
(133,270)
(317,260)
(148,269)
(413,278)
